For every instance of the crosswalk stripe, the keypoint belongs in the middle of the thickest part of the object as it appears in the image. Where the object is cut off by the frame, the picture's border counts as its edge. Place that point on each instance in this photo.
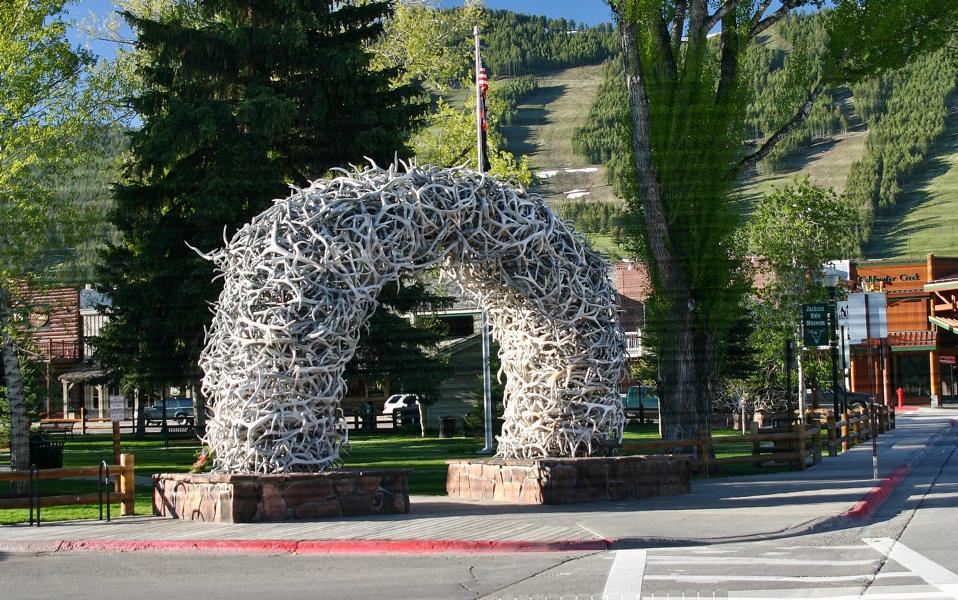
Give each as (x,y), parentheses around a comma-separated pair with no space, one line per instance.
(795,578)
(625,576)
(877,595)
(755,560)
(928,570)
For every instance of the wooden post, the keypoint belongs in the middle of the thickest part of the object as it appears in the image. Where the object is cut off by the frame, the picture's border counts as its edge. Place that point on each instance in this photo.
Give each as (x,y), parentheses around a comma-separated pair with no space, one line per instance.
(83,420)
(116,442)
(127,484)
(832,437)
(756,446)
(800,431)
(857,428)
(845,431)
(704,451)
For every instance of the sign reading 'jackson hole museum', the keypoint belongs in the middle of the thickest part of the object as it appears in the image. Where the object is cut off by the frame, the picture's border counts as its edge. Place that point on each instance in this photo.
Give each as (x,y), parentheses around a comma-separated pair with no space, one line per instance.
(815,325)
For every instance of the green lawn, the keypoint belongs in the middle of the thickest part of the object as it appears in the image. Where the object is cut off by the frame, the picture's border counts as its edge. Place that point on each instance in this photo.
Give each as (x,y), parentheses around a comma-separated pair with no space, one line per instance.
(83,451)
(425,457)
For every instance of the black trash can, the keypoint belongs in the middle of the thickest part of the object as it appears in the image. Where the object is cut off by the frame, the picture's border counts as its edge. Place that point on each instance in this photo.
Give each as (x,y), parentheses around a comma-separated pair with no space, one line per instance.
(46,454)
(447,427)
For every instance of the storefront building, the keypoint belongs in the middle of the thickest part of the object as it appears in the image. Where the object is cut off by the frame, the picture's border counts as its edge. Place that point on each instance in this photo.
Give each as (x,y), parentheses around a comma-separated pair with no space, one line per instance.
(920,352)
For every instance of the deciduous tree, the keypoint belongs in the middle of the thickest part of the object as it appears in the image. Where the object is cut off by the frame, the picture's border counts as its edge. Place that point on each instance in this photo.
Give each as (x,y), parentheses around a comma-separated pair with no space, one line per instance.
(45,118)
(687,101)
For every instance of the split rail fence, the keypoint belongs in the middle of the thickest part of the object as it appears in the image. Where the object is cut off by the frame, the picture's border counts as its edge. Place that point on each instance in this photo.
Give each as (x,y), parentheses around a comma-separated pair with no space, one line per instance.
(123,474)
(793,445)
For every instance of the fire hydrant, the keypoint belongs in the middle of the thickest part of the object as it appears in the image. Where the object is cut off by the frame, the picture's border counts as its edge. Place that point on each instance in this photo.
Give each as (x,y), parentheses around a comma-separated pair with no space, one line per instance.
(901,397)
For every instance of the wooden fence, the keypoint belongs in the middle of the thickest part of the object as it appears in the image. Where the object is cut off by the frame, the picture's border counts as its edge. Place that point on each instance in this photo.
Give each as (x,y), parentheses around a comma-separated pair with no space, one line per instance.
(794,445)
(125,486)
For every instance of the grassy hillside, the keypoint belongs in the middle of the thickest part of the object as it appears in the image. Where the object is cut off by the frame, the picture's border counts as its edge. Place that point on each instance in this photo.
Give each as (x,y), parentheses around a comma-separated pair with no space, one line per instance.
(543,131)
(827,163)
(925,218)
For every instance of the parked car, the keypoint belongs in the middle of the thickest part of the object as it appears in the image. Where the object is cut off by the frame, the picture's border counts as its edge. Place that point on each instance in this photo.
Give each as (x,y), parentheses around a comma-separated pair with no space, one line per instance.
(642,396)
(399,402)
(177,409)
(853,399)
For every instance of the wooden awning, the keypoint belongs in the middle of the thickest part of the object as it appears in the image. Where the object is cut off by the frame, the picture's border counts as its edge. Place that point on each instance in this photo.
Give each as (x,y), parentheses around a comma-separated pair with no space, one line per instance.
(86,373)
(909,341)
(946,323)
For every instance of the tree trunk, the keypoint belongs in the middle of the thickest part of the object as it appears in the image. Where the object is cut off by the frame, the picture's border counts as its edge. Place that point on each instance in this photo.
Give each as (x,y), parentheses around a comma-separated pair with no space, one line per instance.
(199,409)
(19,425)
(140,416)
(685,360)
(423,413)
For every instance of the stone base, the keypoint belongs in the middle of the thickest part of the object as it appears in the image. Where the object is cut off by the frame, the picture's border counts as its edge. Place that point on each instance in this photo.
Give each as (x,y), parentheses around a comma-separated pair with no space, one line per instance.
(257,498)
(569,480)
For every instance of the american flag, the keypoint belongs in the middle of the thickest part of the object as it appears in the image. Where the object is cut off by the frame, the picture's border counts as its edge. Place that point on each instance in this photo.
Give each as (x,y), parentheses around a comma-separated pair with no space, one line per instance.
(483,83)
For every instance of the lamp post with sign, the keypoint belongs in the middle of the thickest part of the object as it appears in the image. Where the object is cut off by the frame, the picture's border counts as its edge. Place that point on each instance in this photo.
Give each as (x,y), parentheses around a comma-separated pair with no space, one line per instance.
(831,283)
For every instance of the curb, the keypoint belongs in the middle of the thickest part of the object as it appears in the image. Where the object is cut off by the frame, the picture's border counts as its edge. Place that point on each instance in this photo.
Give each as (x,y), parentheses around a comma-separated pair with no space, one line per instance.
(875,497)
(310,547)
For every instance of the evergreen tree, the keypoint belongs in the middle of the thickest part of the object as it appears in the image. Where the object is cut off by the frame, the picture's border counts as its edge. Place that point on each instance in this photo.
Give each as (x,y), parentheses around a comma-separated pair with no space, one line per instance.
(240,98)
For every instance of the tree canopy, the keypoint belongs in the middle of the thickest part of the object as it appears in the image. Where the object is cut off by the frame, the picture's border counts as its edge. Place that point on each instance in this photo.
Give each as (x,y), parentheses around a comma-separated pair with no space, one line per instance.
(688,98)
(238,100)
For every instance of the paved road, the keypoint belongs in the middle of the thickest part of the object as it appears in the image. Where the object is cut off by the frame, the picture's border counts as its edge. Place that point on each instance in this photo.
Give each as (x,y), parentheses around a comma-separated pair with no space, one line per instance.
(907,551)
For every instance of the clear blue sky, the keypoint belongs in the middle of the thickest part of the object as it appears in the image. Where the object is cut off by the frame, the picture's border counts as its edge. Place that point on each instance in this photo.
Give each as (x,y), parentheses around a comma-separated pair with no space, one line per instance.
(588,11)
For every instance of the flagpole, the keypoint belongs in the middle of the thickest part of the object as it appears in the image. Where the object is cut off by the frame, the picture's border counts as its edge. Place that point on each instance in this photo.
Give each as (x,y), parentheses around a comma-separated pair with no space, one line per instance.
(486,374)
(479,161)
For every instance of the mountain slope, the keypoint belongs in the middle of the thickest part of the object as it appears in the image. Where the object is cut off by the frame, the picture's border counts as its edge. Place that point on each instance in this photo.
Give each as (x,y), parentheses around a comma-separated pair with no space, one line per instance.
(543,131)
(925,218)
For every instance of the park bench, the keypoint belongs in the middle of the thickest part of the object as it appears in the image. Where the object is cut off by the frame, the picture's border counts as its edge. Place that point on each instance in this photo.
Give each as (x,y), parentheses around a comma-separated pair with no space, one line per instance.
(187,431)
(63,427)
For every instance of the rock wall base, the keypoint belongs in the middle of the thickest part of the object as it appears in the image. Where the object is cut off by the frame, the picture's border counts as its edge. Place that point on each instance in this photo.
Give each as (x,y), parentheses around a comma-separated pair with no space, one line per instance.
(569,480)
(259,498)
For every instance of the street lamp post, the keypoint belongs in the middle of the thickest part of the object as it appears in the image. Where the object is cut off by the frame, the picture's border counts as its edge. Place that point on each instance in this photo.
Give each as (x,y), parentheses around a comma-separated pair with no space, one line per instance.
(831,283)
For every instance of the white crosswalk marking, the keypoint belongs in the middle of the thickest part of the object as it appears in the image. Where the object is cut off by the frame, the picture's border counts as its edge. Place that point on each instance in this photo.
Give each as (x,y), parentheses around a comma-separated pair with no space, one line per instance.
(928,570)
(625,577)
(763,571)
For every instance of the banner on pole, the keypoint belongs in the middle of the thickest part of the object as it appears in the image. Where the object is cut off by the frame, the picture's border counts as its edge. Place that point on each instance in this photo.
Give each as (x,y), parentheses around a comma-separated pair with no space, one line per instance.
(815,325)
(867,316)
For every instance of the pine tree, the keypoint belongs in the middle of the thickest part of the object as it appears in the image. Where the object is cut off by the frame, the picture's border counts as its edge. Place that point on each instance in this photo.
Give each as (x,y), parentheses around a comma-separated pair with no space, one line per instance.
(240,99)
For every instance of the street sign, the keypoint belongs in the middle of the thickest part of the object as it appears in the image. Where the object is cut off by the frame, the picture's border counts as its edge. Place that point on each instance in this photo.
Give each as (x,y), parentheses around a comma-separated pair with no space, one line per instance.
(117,406)
(815,325)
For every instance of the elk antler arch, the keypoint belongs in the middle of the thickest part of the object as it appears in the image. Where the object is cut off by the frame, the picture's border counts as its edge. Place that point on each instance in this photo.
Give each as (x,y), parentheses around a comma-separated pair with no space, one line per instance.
(301,281)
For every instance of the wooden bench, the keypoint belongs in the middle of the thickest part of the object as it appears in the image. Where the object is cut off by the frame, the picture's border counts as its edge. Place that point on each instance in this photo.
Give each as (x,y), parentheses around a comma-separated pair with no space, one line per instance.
(63,427)
(187,431)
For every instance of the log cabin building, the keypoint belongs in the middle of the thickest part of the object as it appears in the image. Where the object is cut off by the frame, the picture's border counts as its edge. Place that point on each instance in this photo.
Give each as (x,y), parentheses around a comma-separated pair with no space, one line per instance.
(60,322)
(922,345)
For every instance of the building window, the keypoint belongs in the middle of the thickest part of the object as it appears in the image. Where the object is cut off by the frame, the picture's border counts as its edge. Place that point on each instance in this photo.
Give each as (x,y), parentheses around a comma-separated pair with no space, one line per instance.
(914,375)
(459,326)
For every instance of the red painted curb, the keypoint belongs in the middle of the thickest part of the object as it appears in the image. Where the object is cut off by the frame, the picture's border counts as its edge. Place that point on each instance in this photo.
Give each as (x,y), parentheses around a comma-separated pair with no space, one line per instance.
(243,546)
(311,546)
(442,546)
(878,494)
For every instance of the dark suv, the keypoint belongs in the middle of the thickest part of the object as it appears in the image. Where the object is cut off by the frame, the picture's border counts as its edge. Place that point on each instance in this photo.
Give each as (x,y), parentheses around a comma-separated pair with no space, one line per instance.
(178,409)
(853,399)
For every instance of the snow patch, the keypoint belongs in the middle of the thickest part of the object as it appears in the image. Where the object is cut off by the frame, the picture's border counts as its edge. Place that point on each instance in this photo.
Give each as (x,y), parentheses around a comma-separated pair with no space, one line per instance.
(546,174)
(573,194)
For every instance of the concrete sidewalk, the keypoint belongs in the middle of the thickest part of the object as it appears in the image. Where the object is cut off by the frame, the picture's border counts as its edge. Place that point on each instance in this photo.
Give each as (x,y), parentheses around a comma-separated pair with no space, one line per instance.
(722,509)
